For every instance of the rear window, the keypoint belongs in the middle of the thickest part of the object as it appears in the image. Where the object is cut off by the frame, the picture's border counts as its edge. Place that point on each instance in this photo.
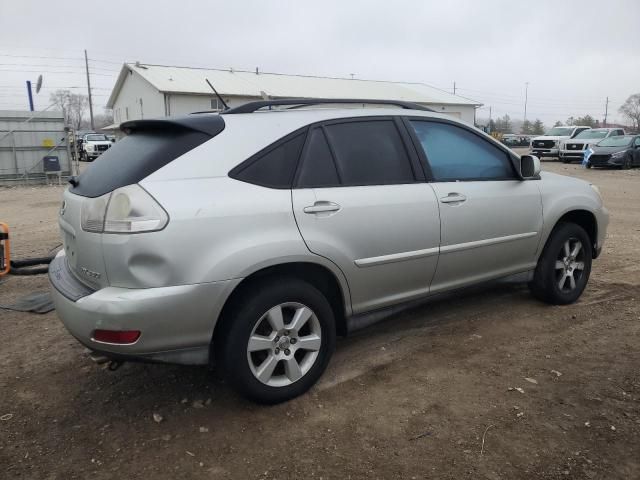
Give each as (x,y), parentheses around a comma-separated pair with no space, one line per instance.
(135,157)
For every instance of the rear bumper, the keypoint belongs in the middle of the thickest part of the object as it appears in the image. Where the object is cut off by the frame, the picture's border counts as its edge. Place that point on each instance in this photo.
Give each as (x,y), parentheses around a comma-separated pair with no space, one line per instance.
(176,323)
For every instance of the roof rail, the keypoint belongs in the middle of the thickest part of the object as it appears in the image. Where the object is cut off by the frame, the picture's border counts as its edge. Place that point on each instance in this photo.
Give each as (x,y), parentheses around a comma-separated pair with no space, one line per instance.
(251,107)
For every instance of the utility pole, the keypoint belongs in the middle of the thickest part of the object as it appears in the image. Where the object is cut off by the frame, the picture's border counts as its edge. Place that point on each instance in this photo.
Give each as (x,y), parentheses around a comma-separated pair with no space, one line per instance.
(606,111)
(454,87)
(526,96)
(489,119)
(30,95)
(86,66)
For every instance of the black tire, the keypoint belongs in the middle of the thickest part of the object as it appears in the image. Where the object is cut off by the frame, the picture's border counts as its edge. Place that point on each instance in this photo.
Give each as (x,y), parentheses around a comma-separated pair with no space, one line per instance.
(546,280)
(565,160)
(239,323)
(626,163)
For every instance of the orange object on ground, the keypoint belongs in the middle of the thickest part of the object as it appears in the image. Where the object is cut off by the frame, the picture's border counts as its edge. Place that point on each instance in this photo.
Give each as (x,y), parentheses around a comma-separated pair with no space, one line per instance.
(5,249)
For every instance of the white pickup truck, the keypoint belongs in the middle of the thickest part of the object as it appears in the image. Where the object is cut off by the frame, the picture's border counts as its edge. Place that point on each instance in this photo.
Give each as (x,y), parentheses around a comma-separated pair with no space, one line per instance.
(548,145)
(93,145)
(574,148)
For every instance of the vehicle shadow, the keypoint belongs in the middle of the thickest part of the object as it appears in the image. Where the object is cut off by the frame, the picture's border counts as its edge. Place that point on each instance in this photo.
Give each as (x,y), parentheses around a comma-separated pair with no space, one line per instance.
(175,388)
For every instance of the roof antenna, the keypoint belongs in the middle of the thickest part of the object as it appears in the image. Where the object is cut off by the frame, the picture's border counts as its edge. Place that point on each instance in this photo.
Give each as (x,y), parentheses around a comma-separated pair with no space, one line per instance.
(226,107)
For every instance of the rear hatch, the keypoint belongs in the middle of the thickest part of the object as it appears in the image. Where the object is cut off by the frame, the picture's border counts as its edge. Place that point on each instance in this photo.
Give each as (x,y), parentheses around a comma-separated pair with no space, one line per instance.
(148,146)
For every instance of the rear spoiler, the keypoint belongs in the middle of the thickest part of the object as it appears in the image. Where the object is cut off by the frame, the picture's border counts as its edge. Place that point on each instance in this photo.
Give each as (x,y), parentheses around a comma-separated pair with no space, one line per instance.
(210,125)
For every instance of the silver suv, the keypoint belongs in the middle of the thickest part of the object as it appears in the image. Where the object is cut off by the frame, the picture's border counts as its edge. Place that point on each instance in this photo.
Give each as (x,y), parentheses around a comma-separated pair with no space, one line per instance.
(251,238)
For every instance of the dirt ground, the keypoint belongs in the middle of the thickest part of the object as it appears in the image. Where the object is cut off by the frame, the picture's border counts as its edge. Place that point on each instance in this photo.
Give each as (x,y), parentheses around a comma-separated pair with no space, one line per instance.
(431,393)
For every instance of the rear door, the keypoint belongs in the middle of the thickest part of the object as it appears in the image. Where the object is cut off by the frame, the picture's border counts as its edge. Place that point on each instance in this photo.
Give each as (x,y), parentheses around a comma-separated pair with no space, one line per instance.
(361,201)
(491,221)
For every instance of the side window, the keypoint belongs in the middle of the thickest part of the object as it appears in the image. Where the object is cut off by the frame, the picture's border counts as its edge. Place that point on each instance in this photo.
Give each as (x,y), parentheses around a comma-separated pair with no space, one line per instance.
(274,167)
(637,142)
(457,154)
(370,153)
(318,168)
(619,132)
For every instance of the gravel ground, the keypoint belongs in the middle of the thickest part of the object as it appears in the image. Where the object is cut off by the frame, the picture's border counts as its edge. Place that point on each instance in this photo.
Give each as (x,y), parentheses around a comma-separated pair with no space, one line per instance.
(430,393)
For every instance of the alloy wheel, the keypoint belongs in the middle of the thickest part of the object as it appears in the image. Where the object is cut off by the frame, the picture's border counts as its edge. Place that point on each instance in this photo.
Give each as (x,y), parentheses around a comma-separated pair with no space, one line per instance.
(284,344)
(569,265)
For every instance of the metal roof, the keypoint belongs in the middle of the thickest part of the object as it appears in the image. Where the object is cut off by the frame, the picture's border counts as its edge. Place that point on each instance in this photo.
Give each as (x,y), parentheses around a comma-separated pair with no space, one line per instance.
(184,80)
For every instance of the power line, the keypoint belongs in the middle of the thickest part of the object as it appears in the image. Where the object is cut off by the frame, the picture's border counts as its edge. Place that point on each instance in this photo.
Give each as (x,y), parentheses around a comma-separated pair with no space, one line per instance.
(515,96)
(37,56)
(54,73)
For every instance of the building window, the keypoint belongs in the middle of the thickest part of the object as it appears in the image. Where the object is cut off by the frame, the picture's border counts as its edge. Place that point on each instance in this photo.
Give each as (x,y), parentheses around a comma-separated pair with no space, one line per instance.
(216,105)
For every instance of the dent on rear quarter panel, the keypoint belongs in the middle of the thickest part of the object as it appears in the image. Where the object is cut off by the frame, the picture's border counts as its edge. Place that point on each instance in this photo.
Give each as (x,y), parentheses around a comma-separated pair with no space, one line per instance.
(218,229)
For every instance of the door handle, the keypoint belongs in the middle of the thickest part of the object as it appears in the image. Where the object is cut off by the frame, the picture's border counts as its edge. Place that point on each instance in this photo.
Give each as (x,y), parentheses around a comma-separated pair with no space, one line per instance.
(322,207)
(453,198)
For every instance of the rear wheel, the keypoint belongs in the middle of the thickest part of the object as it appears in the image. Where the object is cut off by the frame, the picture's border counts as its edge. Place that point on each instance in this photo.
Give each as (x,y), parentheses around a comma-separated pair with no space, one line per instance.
(563,268)
(277,340)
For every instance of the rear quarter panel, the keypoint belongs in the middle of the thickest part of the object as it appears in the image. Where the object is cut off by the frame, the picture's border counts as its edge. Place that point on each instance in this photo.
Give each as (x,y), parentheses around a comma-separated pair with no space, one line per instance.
(219,229)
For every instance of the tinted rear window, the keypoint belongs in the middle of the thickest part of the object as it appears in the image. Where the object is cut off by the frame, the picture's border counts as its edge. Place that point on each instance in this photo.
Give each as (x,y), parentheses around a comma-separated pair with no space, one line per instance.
(135,157)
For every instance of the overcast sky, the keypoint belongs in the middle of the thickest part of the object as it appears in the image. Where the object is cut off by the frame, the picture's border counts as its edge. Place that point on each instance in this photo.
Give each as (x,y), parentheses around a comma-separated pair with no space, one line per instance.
(573,53)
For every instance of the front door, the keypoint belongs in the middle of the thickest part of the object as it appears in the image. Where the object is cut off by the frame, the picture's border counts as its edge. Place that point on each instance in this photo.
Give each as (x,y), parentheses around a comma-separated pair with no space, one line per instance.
(359,201)
(491,221)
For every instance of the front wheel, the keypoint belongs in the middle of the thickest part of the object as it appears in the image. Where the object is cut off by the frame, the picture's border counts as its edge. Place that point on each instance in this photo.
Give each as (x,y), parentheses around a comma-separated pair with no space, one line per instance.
(563,268)
(277,341)
(626,164)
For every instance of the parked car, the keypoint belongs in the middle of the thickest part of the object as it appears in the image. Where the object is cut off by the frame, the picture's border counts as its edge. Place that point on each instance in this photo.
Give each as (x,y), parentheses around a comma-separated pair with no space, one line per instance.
(94,145)
(512,140)
(548,145)
(251,238)
(618,151)
(574,148)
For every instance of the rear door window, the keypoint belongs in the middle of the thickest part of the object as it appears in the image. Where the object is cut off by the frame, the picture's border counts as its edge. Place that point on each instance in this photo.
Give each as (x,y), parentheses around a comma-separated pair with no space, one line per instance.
(369,153)
(454,153)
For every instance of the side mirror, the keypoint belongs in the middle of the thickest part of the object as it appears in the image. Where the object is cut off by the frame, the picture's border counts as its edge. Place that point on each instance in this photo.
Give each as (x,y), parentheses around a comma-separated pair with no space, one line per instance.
(529,166)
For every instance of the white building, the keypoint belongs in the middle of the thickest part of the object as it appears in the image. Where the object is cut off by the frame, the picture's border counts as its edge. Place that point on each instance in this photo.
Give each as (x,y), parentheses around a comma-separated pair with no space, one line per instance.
(148,91)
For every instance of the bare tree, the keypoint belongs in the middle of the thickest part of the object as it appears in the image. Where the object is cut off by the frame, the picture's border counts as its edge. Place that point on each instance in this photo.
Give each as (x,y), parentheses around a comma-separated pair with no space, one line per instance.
(103,119)
(73,106)
(631,110)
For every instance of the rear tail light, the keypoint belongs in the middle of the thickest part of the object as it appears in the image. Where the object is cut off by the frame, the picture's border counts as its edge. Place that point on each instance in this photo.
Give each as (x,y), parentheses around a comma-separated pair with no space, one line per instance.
(128,209)
(121,337)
